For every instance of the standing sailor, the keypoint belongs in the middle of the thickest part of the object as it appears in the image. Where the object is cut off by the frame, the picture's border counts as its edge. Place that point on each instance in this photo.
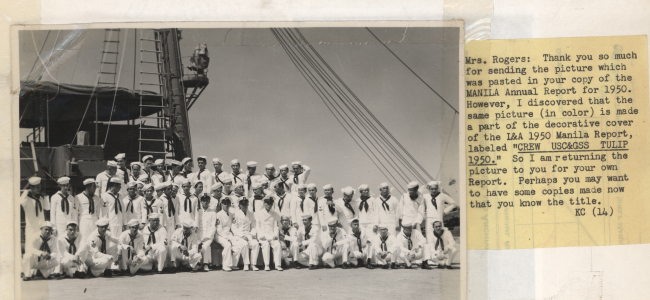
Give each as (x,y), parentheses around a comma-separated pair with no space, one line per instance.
(216,197)
(366,208)
(412,245)
(131,247)
(219,175)
(72,252)
(285,205)
(132,203)
(102,178)
(386,212)
(236,174)
(245,236)
(159,173)
(284,178)
(301,205)
(251,177)
(207,230)
(267,233)
(91,207)
(150,204)
(408,209)
(122,171)
(40,253)
(65,207)
(434,206)
(34,206)
(147,161)
(155,238)
(348,211)
(185,246)
(336,249)
(135,172)
(269,175)
(361,248)
(386,247)
(112,210)
(203,174)
(188,204)
(300,175)
(102,249)
(170,214)
(176,175)
(327,210)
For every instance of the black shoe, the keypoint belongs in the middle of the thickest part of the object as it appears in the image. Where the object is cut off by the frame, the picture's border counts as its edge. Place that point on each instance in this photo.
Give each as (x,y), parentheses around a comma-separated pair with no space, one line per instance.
(425,265)
(345,266)
(441,266)
(108,273)
(122,273)
(79,275)
(393,266)
(386,266)
(369,266)
(312,267)
(160,272)
(27,278)
(448,267)
(296,265)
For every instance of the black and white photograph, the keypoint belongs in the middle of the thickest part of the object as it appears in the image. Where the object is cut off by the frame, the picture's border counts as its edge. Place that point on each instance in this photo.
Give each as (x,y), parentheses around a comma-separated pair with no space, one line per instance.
(270,161)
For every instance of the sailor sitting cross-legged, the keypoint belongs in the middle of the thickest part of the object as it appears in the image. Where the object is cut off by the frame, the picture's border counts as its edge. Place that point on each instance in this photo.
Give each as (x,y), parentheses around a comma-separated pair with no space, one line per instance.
(102,249)
(386,248)
(442,248)
(207,230)
(267,233)
(336,249)
(41,253)
(185,246)
(310,247)
(361,249)
(155,239)
(72,252)
(290,241)
(132,248)
(224,234)
(412,245)
(245,236)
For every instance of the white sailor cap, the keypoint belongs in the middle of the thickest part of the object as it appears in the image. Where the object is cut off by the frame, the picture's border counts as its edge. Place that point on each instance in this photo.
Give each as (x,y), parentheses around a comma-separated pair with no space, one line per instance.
(216,160)
(433,183)
(116,180)
(327,186)
(135,163)
(173,184)
(147,157)
(348,190)
(296,163)
(153,216)
(301,186)
(306,215)
(382,226)
(176,163)
(362,187)
(251,164)
(34,180)
(120,156)
(159,161)
(353,220)
(185,160)
(256,185)
(187,222)
(89,181)
(413,184)
(311,185)
(184,181)
(203,158)
(48,224)
(139,182)
(264,181)
(332,222)
(383,185)
(234,161)
(407,224)
(132,183)
(147,186)
(71,222)
(102,222)
(270,166)
(133,222)
(159,186)
(63,180)
(238,184)
(228,179)
(216,186)
(143,177)
(197,183)
(111,163)
(283,167)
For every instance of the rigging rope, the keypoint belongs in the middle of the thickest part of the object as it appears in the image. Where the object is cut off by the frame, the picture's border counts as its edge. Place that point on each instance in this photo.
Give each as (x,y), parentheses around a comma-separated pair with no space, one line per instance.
(126,35)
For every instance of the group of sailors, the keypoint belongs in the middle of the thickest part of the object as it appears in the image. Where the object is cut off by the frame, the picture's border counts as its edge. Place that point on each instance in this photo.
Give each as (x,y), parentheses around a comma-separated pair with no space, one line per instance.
(145,218)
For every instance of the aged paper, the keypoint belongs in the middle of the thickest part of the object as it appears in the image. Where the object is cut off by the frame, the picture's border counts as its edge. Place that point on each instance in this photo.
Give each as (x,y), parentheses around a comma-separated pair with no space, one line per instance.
(556,142)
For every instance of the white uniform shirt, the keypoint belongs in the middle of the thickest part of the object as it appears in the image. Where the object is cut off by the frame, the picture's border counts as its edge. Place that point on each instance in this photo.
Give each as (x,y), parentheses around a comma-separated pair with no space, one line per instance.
(148,207)
(361,241)
(33,246)
(366,215)
(324,213)
(291,235)
(170,211)
(417,241)
(158,178)
(113,209)
(410,209)
(445,238)
(300,179)
(63,247)
(219,177)
(266,224)
(386,210)
(346,214)
(310,236)
(86,213)
(204,176)
(132,247)
(241,177)
(243,224)
(224,223)
(286,182)
(254,178)
(102,183)
(285,205)
(434,209)
(158,238)
(96,246)
(132,208)
(34,207)
(63,212)
(189,206)
(328,242)
(208,224)
(391,243)
(191,242)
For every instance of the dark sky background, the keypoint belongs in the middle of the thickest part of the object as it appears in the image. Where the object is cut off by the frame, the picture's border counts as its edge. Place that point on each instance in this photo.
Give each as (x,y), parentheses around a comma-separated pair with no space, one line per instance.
(258,106)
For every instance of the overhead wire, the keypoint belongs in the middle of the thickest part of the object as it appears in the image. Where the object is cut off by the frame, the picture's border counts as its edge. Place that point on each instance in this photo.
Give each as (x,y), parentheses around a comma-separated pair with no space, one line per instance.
(126,35)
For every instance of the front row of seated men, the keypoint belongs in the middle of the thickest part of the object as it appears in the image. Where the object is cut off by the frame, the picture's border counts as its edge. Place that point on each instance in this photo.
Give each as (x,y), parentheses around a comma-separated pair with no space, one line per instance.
(232,229)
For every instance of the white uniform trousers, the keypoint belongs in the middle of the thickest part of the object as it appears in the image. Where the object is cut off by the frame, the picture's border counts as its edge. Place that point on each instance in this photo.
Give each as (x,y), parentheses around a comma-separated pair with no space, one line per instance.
(181,259)
(227,253)
(206,251)
(266,252)
(291,254)
(405,257)
(392,257)
(86,227)
(338,256)
(68,267)
(158,255)
(439,257)
(116,231)
(31,264)
(313,252)
(252,246)
(99,262)
(391,229)
(367,253)
(128,259)
(169,262)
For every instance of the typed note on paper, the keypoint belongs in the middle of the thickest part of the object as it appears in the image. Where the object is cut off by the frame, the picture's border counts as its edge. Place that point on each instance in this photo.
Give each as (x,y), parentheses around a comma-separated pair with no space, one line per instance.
(557,142)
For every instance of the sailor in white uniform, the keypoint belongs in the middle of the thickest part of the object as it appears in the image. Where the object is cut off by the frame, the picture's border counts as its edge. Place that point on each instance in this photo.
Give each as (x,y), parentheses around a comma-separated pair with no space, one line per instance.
(170,215)
(251,178)
(285,204)
(302,204)
(72,252)
(150,204)
(147,163)
(408,208)
(216,197)
(131,247)
(267,234)
(336,249)
(207,230)
(41,253)
(102,178)
(65,207)
(361,248)
(122,172)
(386,248)
(155,239)
(366,208)
(224,235)
(327,209)
(189,204)
(203,174)
(160,174)
(284,178)
(219,175)
(91,208)
(102,249)
(245,235)
(34,206)
(434,206)
(113,207)
(132,203)
(185,246)
(176,175)
(300,175)
(269,175)
(442,249)
(290,242)
(412,245)
(310,247)
(237,176)
(348,211)
(386,212)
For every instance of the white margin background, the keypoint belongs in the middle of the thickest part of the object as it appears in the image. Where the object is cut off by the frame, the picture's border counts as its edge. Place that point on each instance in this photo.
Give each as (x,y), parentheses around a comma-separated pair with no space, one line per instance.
(613,272)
